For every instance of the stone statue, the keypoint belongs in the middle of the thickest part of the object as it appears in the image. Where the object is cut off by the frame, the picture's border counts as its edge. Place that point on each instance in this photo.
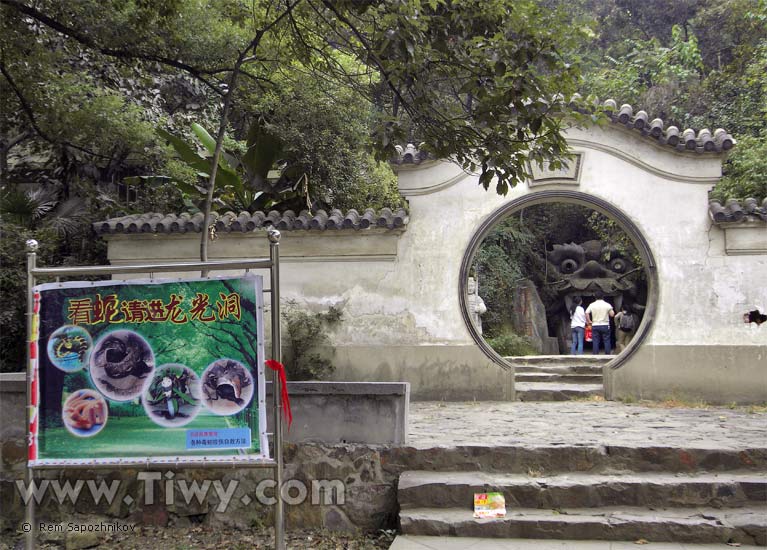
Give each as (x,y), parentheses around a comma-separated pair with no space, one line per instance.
(477,306)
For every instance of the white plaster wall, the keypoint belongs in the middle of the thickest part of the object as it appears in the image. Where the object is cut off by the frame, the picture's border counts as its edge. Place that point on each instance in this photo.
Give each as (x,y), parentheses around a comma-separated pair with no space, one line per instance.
(400,289)
(403,288)
(703,292)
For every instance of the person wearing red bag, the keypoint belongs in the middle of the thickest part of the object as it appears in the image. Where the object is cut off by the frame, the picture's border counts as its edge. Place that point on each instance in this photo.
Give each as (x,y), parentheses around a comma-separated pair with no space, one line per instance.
(598,314)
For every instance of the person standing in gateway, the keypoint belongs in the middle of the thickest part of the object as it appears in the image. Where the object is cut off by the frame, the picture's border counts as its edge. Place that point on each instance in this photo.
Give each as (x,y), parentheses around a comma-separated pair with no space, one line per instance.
(598,314)
(577,326)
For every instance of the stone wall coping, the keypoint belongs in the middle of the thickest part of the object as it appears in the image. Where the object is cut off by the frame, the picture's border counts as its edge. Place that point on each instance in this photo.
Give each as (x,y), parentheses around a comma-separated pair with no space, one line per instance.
(348,388)
(13,382)
(638,121)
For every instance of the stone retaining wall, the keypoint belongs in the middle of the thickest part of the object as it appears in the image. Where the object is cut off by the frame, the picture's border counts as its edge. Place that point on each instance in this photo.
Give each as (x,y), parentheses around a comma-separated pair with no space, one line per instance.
(330,414)
(364,499)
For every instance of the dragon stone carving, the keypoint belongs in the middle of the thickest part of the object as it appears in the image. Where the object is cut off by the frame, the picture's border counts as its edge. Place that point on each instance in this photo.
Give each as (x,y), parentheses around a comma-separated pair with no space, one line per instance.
(582,269)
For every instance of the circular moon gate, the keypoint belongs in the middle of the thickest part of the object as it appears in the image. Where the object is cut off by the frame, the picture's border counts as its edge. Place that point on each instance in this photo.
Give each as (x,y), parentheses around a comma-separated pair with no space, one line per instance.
(571,197)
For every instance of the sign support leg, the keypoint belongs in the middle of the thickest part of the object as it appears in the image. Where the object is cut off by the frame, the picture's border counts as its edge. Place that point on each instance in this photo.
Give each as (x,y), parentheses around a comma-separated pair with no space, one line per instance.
(279,511)
(29,516)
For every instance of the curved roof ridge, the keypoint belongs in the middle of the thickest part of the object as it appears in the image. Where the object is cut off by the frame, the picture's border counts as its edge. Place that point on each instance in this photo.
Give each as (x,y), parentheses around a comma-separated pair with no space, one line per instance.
(702,141)
(656,129)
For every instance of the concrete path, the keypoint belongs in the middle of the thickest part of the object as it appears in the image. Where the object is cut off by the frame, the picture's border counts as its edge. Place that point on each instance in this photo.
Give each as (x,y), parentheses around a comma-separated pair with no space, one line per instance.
(583,423)
(410,542)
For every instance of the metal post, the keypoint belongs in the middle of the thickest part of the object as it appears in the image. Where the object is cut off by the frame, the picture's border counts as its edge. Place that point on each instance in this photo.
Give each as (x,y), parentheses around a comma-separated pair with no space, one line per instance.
(29,516)
(279,511)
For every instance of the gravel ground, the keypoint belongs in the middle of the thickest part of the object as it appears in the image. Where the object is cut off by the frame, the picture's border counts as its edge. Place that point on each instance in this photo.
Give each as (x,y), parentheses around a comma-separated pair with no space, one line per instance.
(212,538)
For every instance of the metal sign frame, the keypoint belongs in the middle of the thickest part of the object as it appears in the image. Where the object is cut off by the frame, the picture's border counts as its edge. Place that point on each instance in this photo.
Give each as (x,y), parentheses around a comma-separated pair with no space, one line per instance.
(272,263)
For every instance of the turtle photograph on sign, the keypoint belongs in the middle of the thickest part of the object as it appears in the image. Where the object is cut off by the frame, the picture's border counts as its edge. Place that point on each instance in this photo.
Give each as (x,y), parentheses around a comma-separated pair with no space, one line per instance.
(148,370)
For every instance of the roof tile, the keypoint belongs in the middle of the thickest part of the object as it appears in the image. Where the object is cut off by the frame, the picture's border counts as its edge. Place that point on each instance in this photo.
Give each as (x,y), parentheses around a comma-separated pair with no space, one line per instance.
(245,222)
(686,140)
(738,211)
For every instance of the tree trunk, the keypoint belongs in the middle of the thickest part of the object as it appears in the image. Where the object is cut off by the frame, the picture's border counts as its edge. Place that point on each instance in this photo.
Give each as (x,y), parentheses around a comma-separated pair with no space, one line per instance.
(214,168)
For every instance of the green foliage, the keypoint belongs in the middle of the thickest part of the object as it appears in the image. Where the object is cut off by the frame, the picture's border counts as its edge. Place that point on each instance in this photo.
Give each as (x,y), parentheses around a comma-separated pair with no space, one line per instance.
(13,286)
(307,332)
(746,171)
(62,229)
(324,126)
(41,207)
(483,82)
(475,80)
(500,264)
(336,84)
(648,73)
(696,64)
(242,180)
(614,238)
(508,343)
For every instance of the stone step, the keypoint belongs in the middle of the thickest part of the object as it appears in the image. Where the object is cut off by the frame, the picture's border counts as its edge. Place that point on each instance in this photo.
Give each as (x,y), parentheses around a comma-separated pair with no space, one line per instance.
(556,378)
(416,542)
(559,360)
(543,391)
(419,489)
(549,460)
(683,525)
(559,369)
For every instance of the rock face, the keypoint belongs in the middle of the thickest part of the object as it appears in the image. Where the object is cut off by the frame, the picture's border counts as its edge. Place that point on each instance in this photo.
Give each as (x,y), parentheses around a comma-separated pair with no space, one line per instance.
(529,318)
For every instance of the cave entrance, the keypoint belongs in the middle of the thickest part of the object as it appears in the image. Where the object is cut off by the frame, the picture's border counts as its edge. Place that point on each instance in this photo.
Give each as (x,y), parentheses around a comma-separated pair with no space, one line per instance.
(532,260)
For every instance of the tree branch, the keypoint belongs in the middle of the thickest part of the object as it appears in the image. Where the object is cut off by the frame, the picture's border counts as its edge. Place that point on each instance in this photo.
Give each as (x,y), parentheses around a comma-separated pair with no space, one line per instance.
(25,106)
(371,52)
(29,112)
(253,45)
(80,37)
(11,143)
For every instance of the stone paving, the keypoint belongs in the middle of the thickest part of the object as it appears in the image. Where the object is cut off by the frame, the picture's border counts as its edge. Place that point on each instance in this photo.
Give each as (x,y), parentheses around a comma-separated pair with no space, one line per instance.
(583,423)
(467,543)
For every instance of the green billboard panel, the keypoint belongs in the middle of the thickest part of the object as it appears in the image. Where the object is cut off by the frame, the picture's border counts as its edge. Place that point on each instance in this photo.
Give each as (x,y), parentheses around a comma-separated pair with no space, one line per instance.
(148,371)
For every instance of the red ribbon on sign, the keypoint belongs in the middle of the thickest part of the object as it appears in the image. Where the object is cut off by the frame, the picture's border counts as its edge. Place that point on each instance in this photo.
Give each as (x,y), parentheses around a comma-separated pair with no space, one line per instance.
(279,368)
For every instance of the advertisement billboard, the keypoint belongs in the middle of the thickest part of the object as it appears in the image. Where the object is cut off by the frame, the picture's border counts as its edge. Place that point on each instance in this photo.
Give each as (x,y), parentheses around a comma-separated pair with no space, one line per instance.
(132,372)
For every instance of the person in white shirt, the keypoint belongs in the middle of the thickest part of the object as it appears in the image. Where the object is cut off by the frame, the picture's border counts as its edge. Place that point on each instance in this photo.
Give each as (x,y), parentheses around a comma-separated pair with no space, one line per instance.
(598,315)
(577,326)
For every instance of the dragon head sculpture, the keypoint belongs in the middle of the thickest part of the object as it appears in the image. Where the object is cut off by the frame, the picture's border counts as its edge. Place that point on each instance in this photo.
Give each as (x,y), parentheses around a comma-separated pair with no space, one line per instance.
(585,268)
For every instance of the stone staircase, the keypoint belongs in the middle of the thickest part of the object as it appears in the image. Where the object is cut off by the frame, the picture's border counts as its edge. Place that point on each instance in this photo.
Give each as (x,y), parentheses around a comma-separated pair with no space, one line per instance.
(651,494)
(558,377)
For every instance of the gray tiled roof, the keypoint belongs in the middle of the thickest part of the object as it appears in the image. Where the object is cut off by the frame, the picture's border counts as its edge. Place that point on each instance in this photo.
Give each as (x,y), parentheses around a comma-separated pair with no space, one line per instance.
(243,222)
(738,211)
(703,141)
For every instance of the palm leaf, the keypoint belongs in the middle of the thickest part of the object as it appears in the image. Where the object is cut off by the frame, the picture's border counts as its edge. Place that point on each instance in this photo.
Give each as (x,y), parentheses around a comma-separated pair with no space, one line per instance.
(227,161)
(27,207)
(68,217)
